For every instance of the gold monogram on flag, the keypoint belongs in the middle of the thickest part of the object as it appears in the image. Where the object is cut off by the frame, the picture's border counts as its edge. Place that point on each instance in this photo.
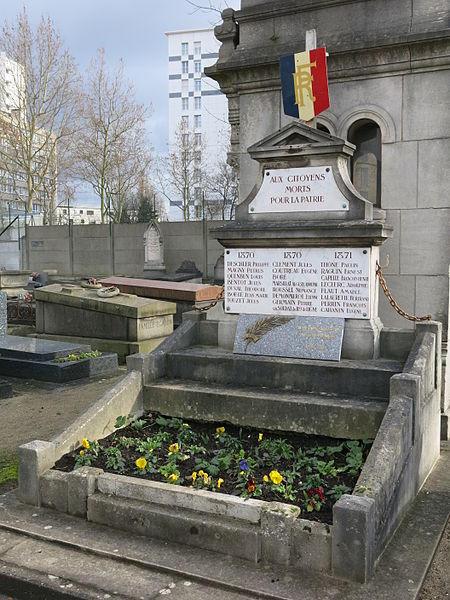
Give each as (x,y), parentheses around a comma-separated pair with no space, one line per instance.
(303,79)
(302,82)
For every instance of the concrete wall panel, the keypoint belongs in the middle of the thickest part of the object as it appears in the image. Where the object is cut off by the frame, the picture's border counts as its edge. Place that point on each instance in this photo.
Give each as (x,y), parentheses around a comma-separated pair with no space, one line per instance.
(434,159)
(425,242)
(432,298)
(399,191)
(427,98)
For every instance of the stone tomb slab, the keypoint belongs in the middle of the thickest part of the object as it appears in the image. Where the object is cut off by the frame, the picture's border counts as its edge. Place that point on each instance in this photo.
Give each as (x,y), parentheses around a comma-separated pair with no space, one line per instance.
(293,337)
(166,290)
(76,311)
(25,348)
(3,315)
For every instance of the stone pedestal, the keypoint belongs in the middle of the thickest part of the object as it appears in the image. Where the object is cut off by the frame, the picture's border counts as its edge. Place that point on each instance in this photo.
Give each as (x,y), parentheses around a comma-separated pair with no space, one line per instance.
(306,205)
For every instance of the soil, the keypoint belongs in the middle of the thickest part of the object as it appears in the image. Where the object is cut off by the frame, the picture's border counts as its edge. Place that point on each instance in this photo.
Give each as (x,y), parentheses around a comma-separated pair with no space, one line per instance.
(248,440)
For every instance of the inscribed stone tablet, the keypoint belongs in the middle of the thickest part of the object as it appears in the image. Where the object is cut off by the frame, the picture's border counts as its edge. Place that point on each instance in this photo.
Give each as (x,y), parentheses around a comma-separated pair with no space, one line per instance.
(3,314)
(308,189)
(309,282)
(295,337)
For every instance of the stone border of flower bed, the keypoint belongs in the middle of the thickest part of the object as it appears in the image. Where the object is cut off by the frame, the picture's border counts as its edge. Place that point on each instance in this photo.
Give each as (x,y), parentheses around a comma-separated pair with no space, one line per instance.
(402,455)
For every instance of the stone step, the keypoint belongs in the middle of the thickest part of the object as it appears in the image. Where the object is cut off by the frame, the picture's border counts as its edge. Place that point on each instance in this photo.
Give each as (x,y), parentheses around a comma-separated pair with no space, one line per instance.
(319,414)
(358,378)
(233,537)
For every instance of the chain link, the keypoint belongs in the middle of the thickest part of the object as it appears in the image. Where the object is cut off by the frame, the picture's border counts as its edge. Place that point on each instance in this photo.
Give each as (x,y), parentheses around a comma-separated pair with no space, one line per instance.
(213,303)
(393,303)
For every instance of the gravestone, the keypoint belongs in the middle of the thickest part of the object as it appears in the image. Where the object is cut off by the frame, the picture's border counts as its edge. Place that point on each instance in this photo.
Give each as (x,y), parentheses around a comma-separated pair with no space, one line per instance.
(153,251)
(5,386)
(305,242)
(3,314)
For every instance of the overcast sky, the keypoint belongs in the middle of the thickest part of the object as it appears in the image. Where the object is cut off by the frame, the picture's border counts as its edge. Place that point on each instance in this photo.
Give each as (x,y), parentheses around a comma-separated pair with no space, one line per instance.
(129,29)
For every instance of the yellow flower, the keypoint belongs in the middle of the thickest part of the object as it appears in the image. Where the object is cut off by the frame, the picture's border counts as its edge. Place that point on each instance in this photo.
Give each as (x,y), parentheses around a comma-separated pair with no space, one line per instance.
(242,473)
(185,424)
(260,437)
(141,463)
(265,479)
(194,475)
(85,443)
(173,477)
(173,447)
(220,429)
(275,477)
(219,482)
(81,452)
(200,473)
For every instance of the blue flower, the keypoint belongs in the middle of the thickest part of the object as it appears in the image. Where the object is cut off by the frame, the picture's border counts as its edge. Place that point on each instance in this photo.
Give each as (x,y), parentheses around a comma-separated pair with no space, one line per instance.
(243,465)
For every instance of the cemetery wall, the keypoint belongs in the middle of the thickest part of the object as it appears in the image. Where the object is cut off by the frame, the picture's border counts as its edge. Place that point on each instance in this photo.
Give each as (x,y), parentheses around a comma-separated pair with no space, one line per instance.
(9,255)
(84,250)
(388,63)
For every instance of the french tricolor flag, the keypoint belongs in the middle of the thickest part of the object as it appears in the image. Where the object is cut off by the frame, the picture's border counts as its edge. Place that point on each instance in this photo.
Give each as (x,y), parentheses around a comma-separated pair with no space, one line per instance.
(304,83)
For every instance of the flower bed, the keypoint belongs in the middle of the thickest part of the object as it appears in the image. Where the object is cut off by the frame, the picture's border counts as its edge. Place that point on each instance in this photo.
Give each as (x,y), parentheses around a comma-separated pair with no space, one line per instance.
(308,471)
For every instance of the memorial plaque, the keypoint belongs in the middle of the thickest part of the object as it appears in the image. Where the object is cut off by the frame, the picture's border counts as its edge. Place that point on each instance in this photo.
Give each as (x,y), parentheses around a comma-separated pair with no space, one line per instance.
(308,189)
(295,337)
(320,282)
(3,314)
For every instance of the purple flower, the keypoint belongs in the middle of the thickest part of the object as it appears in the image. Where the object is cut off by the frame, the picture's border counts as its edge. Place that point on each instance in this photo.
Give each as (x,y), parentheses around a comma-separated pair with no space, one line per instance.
(243,465)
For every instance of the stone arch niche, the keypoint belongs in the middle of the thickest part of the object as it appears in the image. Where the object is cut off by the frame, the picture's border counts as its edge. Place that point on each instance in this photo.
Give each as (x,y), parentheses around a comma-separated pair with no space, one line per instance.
(365,164)
(153,251)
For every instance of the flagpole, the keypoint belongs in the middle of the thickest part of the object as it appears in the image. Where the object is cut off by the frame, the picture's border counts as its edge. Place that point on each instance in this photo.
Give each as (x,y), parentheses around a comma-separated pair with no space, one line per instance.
(311,44)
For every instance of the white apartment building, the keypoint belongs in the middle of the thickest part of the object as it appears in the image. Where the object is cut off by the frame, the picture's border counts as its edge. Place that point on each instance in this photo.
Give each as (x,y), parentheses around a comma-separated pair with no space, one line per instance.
(78,215)
(196,101)
(13,186)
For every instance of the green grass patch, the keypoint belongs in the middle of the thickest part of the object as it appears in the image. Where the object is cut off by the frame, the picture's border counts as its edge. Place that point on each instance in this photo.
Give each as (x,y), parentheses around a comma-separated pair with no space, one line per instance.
(9,466)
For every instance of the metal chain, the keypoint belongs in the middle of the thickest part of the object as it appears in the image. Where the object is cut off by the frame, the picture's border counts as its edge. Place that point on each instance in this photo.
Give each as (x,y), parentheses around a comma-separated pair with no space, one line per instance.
(213,303)
(393,303)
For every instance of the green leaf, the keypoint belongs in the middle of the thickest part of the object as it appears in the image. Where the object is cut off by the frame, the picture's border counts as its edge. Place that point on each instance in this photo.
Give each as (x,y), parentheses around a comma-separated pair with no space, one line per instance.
(120,422)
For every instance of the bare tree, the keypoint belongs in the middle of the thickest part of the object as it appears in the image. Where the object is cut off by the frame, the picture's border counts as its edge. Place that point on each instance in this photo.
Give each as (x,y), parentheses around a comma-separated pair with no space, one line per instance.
(113,151)
(180,174)
(222,192)
(38,119)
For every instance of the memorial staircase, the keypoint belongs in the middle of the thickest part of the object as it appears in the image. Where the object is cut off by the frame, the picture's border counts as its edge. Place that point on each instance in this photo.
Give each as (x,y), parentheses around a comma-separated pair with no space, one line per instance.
(345,399)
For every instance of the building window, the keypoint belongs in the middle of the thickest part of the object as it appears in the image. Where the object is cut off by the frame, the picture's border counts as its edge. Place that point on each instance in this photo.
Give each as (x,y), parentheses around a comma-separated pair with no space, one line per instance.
(198,103)
(82,221)
(185,139)
(197,155)
(184,103)
(89,212)
(365,165)
(184,85)
(81,211)
(198,139)
(184,66)
(184,48)
(185,121)
(197,121)
(198,85)
(197,48)
(197,66)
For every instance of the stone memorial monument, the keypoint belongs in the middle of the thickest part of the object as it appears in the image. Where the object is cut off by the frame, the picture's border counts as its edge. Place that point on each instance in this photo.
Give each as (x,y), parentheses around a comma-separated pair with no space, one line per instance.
(305,242)
(153,251)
